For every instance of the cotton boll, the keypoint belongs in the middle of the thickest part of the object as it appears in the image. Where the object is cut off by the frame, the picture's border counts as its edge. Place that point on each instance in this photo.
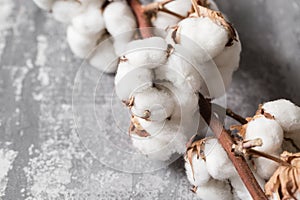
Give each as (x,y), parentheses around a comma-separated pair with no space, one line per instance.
(90,22)
(228,62)
(158,102)
(148,53)
(119,18)
(81,45)
(240,189)
(285,112)
(64,11)
(265,168)
(200,175)
(215,190)
(218,164)
(204,32)
(104,57)
(130,79)
(163,144)
(44,4)
(181,70)
(268,130)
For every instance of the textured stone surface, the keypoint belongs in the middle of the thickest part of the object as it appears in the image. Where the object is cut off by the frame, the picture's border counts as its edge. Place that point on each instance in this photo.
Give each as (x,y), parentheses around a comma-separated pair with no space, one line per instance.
(36,118)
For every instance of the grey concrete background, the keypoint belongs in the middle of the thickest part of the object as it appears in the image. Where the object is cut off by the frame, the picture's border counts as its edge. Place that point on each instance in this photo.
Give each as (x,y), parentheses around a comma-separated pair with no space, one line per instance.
(36,97)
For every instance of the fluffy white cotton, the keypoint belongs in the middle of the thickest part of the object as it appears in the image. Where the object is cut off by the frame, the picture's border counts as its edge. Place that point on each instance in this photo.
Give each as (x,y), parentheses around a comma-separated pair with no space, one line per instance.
(81,45)
(130,79)
(95,3)
(89,22)
(164,20)
(285,112)
(119,19)
(228,62)
(44,4)
(182,70)
(201,175)
(64,11)
(240,189)
(218,164)
(158,102)
(265,168)
(148,53)
(104,57)
(292,141)
(205,33)
(215,190)
(268,130)
(163,143)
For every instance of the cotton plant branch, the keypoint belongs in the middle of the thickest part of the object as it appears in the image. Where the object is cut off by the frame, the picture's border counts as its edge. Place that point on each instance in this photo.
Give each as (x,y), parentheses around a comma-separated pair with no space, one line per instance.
(227,142)
(223,136)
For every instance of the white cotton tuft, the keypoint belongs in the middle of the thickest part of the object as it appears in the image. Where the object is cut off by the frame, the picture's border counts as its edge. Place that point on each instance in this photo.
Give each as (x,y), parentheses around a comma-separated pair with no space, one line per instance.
(204,33)
(265,168)
(157,103)
(200,175)
(166,140)
(104,57)
(119,19)
(215,190)
(292,141)
(130,79)
(285,112)
(64,11)
(81,45)
(228,62)
(240,189)
(148,53)
(182,70)
(44,4)
(218,164)
(89,22)
(268,130)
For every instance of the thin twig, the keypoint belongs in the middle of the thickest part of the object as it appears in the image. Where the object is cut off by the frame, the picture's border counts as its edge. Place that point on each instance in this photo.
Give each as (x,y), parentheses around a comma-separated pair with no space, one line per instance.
(152,8)
(268,156)
(235,116)
(143,21)
(226,141)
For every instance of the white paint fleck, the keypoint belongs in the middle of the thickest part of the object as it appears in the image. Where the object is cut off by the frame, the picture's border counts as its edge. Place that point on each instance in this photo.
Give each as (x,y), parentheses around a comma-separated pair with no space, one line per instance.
(42,45)
(7,157)
(17,75)
(6,8)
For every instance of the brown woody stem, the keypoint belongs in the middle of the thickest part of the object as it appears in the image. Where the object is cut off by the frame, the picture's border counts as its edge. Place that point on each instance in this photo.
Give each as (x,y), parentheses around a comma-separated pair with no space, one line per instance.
(153,8)
(235,116)
(143,20)
(226,141)
(268,156)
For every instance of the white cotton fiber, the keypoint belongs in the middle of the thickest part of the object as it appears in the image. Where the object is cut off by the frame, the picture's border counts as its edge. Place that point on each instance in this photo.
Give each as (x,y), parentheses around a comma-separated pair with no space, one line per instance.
(285,112)
(119,18)
(215,190)
(89,22)
(44,4)
(148,53)
(81,45)
(158,102)
(268,130)
(228,62)
(240,189)
(265,168)
(219,166)
(204,32)
(162,144)
(64,11)
(182,70)
(292,141)
(130,79)
(104,58)
(200,175)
